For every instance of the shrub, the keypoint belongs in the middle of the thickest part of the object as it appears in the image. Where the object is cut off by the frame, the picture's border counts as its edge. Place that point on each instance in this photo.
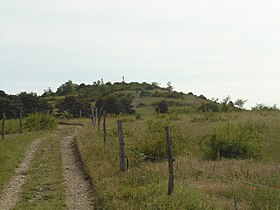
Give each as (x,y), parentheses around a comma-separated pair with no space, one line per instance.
(233,141)
(39,121)
(210,106)
(153,144)
(162,107)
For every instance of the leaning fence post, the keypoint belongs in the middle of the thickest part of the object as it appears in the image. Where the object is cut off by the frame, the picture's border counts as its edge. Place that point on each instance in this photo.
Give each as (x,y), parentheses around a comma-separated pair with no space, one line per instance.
(170,161)
(3,126)
(104,127)
(121,143)
(20,123)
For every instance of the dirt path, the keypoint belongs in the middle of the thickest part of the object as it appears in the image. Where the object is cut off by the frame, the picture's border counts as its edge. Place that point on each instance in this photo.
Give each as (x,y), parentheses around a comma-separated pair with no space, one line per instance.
(77,187)
(12,190)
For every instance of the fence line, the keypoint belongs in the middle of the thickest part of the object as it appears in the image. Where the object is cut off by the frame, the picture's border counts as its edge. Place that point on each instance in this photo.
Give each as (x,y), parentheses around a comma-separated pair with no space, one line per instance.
(197,167)
(135,151)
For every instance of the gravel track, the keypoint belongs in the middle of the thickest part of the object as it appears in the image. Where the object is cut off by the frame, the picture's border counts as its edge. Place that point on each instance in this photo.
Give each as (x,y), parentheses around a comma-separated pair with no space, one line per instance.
(12,189)
(77,187)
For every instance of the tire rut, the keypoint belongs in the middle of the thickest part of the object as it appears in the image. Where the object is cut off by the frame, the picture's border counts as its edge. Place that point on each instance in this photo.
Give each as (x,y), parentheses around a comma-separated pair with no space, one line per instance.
(77,187)
(13,188)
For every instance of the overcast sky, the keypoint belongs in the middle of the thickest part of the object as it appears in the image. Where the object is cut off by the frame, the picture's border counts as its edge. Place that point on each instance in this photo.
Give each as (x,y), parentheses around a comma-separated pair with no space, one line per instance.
(215,48)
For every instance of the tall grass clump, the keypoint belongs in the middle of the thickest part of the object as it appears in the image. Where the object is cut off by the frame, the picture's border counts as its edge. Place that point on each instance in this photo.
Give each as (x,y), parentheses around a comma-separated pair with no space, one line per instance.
(11,126)
(153,144)
(39,121)
(233,141)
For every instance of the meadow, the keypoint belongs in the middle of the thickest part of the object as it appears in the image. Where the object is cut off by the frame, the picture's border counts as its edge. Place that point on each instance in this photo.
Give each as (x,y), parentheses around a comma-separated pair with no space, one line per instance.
(200,183)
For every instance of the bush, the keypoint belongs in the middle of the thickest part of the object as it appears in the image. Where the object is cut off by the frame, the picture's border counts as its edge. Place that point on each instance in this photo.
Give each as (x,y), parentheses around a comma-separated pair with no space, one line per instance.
(162,107)
(210,106)
(39,121)
(153,144)
(233,141)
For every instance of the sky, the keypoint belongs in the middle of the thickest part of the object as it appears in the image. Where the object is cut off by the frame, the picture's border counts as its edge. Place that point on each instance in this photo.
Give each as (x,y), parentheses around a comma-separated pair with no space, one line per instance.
(215,48)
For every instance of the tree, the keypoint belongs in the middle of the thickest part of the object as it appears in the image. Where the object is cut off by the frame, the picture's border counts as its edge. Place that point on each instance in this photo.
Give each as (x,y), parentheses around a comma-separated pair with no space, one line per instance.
(162,107)
(73,105)
(48,93)
(240,103)
(226,100)
(115,105)
(209,106)
(66,88)
(169,87)
(29,101)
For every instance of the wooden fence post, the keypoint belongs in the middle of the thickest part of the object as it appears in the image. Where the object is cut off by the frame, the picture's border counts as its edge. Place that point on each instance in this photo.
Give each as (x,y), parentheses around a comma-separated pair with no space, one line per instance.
(121,143)
(170,161)
(3,126)
(92,116)
(20,123)
(96,111)
(80,114)
(99,117)
(104,127)
(235,202)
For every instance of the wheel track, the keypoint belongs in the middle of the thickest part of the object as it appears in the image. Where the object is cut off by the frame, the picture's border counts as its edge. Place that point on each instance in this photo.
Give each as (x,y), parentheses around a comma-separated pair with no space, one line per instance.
(13,188)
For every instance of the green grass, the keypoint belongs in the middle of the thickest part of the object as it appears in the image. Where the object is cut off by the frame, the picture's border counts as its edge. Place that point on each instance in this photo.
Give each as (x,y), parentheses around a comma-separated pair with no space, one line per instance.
(44,188)
(12,150)
(32,122)
(11,126)
(199,184)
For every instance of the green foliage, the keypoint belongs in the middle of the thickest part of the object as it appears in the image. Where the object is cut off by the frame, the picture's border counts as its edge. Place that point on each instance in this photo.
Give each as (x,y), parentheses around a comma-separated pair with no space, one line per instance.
(39,121)
(11,126)
(262,107)
(67,88)
(115,105)
(153,143)
(12,150)
(233,141)
(24,102)
(209,106)
(162,107)
(73,105)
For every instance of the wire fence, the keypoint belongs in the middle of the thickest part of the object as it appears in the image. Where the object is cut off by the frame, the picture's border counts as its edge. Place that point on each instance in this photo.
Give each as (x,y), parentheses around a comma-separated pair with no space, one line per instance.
(251,184)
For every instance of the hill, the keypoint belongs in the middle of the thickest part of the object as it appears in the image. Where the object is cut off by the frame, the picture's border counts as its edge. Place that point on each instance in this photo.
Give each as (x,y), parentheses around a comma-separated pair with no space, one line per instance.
(73,100)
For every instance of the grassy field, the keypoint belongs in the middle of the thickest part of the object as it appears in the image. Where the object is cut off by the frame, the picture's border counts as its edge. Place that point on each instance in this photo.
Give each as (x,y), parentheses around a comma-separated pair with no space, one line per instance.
(12,150)
(199,183)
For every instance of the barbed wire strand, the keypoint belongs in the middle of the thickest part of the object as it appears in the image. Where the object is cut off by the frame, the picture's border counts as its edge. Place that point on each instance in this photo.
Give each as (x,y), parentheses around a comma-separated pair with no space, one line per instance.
(234,179)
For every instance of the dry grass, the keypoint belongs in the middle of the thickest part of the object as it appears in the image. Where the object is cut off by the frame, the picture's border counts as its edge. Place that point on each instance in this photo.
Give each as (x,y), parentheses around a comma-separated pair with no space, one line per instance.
(211,182)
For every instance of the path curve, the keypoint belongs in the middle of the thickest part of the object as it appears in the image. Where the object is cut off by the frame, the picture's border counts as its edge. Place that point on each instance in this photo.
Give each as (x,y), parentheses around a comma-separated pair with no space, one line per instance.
(77,187)
(12,189)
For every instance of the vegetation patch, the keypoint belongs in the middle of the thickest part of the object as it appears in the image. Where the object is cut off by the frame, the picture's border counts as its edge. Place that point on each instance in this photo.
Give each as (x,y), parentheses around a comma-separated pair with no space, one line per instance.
(153,144)
(39,121)
(234,141)
(12,150)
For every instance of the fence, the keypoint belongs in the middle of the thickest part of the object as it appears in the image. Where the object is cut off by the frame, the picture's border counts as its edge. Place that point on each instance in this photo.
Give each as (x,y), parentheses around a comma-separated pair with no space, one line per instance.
(11,126)
(124,159)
